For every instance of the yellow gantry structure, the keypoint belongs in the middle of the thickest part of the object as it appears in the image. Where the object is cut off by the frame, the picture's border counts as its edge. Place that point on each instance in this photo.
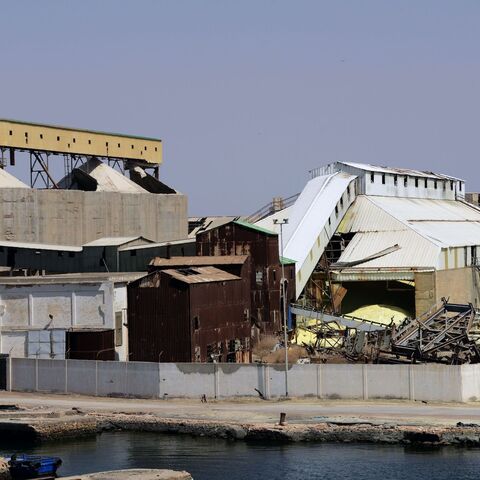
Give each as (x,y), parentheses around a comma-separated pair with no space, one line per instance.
(18,135)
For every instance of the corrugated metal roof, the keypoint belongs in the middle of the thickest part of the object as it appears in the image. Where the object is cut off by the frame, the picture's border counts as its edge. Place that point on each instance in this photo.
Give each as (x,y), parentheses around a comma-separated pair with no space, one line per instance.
(365,216)
(200,275)
(199,261)
(113,241)
(39,246)
(156,245)
(400,171)
(414,252)
(207,223)
(251,226)
(447,223)
(88,277)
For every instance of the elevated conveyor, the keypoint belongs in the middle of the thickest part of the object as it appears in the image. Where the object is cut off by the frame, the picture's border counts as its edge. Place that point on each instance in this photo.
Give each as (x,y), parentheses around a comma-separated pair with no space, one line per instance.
(312,221)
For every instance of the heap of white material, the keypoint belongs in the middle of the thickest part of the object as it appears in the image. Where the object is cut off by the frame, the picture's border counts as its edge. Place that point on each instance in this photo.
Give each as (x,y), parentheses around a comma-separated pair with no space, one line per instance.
(7,180)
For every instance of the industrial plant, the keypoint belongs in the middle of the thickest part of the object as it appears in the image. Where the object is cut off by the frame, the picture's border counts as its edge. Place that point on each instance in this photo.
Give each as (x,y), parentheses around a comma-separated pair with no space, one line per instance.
(366,264)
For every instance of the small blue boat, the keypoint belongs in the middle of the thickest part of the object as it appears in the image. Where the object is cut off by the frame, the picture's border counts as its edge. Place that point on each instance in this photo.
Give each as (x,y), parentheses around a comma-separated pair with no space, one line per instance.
(24,467)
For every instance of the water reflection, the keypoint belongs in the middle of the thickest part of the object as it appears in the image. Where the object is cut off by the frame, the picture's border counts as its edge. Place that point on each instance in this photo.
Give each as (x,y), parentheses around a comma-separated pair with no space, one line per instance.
(210,459)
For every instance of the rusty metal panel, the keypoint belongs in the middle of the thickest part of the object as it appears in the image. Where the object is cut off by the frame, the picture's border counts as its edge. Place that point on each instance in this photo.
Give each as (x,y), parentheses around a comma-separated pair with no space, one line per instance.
(158,321)
(91,345)
(220,314)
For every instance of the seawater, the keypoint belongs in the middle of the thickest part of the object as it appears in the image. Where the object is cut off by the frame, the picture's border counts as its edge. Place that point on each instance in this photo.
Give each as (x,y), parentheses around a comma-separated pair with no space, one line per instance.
(212,459)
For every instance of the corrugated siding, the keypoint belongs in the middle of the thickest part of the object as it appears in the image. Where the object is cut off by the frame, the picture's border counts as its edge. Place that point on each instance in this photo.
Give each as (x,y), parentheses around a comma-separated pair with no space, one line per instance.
(159,324)
(414,250)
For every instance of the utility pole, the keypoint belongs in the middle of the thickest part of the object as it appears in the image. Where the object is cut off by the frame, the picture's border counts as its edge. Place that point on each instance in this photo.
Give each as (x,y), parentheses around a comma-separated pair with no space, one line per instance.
(284,296)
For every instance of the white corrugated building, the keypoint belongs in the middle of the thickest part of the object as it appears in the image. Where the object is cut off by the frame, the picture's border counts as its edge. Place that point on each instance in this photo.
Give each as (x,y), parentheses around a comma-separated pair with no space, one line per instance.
(391,235)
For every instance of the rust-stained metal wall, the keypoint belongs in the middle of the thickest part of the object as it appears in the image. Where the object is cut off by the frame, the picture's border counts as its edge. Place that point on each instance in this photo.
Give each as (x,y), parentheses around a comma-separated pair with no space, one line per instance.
(158,321)
(178,322)
(266,272)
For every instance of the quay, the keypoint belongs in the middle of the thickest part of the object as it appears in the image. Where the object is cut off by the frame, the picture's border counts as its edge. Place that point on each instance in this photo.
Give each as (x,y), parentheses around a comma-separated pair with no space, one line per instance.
(53,417)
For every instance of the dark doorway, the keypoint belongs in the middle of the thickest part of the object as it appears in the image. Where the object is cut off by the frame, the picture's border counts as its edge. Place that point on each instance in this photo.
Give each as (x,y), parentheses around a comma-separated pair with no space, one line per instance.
(91,345)
(3,371)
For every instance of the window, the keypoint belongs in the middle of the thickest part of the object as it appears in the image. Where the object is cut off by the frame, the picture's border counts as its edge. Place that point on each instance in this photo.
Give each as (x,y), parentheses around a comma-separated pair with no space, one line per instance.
(11,132)
(460,186)
(336,210)
(118,329)
(451,184)
(435,184)
(71,254)
(416,182)
(348,191)
(395,180)
(405,181)
(41,135)
(196,323)
(133,253)
(426,183)
(444,185)
(155,148)
(132,147)
(329,221)
(106,144)
(341,202)
(26,134)
(58,139)
(118,145)
(383,179)
(60,254)
(145,148)
(89,142)
(372,177)
(274,276)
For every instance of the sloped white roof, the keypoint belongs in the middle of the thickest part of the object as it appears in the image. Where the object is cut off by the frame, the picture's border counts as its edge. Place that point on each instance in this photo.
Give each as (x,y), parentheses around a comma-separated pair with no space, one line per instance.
(267,222)
(447,223)
(310,213)
(112,241)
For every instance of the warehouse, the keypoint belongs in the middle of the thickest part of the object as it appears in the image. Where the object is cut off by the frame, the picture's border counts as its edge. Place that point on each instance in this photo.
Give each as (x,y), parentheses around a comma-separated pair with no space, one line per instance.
(374,241)
(190,314)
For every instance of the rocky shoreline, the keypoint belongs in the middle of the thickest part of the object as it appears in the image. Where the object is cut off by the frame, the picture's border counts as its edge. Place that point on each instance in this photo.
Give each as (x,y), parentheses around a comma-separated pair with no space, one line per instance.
(363,432)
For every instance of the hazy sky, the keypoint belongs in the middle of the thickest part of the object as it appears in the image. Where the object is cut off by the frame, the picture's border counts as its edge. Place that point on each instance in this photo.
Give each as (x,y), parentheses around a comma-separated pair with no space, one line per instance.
(249,95)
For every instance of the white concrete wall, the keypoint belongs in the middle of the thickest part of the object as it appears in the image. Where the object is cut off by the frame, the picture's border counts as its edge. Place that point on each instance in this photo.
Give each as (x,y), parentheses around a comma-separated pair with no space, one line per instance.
(441,383)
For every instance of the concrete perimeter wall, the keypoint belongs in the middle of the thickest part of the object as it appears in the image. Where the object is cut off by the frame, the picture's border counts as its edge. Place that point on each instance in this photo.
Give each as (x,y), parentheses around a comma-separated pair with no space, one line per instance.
(191,380)
(72,217)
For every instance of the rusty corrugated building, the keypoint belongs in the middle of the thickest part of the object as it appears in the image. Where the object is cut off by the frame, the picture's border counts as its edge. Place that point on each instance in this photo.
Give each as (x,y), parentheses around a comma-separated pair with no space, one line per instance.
(242,238)
(189,314)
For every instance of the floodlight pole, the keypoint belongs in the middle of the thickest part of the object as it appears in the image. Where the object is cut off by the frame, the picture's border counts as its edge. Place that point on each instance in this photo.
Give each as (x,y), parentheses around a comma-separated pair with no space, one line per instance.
(284,295)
